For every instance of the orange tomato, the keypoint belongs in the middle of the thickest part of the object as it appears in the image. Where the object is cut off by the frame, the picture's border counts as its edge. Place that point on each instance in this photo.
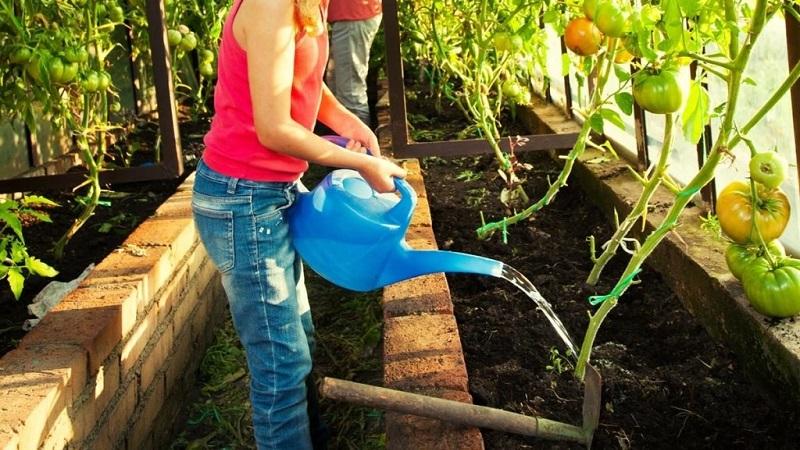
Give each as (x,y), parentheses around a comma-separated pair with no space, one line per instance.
(735,212)
(582,37)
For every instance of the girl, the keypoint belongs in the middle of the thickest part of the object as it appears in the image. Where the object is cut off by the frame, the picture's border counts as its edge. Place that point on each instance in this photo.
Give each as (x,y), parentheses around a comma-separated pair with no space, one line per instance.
(269,94)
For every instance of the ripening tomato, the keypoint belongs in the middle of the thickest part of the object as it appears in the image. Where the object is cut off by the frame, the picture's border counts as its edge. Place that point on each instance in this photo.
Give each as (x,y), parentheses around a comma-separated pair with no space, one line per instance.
(735,212)
(773,290)
(658,92)
(206,70)
(582,37)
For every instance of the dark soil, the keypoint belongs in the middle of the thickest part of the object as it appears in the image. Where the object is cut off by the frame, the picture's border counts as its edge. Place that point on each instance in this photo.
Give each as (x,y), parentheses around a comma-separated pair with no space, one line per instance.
(666,383)
(124,207)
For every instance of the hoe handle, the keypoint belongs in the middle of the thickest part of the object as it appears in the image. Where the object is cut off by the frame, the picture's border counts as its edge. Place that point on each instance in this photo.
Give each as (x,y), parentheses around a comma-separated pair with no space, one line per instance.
(450,411)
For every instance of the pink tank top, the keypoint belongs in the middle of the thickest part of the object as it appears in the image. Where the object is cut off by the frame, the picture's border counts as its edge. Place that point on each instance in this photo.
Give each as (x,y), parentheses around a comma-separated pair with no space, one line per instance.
(232,146)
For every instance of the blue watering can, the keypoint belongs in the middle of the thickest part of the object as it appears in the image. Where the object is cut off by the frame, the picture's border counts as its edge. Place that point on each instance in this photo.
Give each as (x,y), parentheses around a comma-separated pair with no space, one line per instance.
(354,237)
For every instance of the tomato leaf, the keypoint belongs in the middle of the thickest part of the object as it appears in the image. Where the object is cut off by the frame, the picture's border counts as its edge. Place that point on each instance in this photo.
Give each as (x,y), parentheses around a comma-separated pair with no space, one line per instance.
(38,200)
(621,73)
(696,115)
(625,102)
(673,25)
(613,117)
(38,267)
(12,220)
(16,281)
(596,122)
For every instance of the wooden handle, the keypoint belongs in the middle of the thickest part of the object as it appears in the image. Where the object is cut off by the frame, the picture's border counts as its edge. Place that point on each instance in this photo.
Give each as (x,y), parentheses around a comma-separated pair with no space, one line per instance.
(449,410)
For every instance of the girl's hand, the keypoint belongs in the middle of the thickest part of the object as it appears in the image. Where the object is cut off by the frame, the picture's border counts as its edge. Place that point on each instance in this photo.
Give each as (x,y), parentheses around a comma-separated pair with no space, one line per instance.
(361,137)
(380,173)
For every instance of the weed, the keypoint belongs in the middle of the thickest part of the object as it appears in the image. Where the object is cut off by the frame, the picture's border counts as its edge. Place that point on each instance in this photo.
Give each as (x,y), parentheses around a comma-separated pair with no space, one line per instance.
(710,224)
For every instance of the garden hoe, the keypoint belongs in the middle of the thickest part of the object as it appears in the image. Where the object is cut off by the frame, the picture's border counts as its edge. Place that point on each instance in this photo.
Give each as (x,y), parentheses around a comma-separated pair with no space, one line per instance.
(473,415)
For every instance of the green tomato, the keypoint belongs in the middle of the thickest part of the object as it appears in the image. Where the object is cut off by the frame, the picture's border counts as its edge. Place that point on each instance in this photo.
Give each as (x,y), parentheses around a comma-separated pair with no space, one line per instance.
(610,18)
(55,68)
(768,168)
(658,93)
(206,56)
(20,56)
(91,82)
(70,72)
(35,64)
(589,8)
(188,42)
(206,70)
(174,37)
(116,13)
(104,81)
(739,257)
(101,10)
(773,291)
(115,107)
(502,42)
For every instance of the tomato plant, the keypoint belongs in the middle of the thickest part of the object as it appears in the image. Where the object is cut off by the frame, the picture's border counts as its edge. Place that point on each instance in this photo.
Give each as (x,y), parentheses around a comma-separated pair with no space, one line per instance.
(658,91)
(582,37)
(773,289)
(735,212)
(768,168)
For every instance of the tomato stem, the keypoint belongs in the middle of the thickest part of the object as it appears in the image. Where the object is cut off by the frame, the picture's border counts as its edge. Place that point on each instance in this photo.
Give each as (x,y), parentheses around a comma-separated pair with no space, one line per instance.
(640,208)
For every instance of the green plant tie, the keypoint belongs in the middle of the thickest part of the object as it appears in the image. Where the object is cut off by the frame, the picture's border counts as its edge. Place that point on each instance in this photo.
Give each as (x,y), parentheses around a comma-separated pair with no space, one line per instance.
(617,291)
(505,232)
(688,192)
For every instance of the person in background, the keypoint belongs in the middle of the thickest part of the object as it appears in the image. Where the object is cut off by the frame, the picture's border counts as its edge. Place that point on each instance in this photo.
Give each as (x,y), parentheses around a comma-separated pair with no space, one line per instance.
(268,96)
(354,24)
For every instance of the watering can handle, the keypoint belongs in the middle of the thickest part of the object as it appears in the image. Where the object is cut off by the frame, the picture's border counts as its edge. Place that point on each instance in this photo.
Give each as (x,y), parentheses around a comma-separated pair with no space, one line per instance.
(403,210)
(341,141)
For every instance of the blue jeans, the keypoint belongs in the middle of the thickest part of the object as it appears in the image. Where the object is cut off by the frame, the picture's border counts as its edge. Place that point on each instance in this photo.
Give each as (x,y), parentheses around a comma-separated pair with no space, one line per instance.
(241,224)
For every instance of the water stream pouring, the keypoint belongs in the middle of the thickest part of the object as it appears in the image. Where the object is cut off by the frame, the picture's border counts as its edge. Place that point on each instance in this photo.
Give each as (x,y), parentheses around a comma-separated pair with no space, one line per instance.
(354,237)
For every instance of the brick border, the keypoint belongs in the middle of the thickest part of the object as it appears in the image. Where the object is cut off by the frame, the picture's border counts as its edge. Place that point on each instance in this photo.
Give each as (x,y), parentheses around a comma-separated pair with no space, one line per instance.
(421,345)
(109,366)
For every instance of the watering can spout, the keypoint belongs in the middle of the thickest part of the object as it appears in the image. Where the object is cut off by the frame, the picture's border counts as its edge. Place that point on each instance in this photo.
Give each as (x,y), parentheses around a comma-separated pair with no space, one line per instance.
(409,263)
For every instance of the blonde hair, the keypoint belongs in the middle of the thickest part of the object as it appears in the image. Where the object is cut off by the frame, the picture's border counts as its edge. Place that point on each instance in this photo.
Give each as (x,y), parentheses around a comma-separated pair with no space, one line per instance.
(307,16)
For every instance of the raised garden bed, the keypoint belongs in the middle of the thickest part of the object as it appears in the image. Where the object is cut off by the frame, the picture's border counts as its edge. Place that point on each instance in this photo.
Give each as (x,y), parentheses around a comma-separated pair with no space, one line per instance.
(666,382)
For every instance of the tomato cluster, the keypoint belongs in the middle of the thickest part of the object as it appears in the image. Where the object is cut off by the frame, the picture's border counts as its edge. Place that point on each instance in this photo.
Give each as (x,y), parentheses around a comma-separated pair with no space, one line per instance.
(584,35)
(754,215)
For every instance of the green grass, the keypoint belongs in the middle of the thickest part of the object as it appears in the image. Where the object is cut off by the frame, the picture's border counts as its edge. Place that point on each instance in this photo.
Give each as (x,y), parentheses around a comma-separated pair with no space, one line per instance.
(348,329)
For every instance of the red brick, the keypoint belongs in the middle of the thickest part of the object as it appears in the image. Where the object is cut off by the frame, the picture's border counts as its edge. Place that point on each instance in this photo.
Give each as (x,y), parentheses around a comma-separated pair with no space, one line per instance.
(36,384)
(421,238)
(92,318)
(446,371)
(104,387)
(172,294)
(181,354)
(155,357)
(8,440)
(420,336)
(61,433)
(117,424)
(414,432)
(427,294)
(137,341)
(186,305)
(177,235)
(140,435)
(148,272)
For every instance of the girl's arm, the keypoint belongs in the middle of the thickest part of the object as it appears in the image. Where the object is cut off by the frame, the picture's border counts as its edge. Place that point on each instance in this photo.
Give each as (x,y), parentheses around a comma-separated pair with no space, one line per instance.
(265,29)
(339,119)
